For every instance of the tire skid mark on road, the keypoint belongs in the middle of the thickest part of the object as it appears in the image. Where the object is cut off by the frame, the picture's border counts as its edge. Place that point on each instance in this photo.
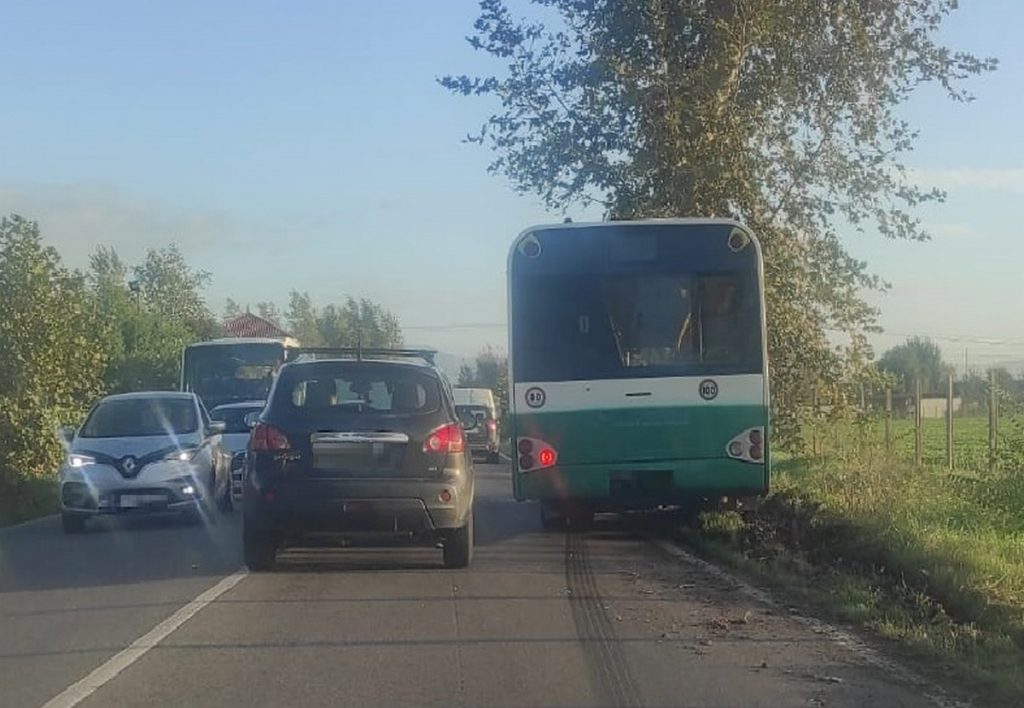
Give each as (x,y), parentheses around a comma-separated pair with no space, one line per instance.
(604,655)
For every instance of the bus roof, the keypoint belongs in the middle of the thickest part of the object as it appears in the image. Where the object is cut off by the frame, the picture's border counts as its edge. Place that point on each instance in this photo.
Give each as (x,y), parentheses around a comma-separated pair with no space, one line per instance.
(687,221)
(223,341)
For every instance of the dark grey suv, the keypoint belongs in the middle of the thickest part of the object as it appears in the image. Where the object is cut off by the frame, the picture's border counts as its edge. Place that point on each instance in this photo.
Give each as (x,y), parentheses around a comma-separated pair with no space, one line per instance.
(364,448)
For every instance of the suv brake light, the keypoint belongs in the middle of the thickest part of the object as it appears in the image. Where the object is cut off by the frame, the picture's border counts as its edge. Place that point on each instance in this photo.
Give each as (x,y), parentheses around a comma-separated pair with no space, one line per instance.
(266,438)
(492,425)
(447,438)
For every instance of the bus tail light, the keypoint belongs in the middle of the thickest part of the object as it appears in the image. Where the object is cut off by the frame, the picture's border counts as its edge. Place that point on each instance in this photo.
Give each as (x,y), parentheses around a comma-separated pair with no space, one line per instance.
(267,438)
(748,446)
(535,454)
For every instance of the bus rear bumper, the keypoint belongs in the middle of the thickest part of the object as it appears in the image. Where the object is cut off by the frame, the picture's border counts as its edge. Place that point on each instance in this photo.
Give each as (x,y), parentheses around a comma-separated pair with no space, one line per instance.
(624,485)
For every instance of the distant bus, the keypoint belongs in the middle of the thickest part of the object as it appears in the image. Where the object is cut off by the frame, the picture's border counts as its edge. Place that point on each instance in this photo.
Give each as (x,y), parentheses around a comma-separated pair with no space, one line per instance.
(637,365)
(232,369)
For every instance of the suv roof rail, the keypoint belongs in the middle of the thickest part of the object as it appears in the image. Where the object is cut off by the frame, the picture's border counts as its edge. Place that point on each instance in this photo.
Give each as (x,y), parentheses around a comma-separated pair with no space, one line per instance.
(359,353)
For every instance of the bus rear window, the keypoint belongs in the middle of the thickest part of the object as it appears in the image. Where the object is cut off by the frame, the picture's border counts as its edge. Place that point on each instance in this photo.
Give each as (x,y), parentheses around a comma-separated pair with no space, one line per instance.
(634,325)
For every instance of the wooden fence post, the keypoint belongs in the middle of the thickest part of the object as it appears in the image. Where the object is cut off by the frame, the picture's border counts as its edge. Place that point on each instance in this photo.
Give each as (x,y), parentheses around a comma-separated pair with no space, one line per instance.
(949,424)
(918,440)
(814,422)
(993,421)
(888,421)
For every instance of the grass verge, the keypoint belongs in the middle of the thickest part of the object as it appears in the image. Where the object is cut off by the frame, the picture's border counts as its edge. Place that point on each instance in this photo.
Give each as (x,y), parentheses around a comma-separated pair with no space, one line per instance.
(932,562)
(31,498)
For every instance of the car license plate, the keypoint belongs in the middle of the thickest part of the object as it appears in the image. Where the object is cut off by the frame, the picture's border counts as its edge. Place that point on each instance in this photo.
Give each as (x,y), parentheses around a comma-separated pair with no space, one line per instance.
(137,500)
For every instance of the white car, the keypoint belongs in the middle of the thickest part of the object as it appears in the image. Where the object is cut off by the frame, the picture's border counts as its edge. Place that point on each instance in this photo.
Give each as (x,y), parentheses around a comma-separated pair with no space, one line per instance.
(144,452)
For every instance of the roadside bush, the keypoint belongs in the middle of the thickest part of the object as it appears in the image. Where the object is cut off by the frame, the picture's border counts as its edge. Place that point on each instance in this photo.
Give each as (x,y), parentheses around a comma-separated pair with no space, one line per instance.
(50,336)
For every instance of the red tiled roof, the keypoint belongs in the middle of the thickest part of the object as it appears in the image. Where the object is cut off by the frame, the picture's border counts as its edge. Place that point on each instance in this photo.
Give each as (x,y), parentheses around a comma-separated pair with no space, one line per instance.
(250,325)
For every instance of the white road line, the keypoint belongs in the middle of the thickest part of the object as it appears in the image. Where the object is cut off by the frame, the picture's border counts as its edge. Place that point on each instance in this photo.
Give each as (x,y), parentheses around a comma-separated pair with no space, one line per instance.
(80,690)
(844,639)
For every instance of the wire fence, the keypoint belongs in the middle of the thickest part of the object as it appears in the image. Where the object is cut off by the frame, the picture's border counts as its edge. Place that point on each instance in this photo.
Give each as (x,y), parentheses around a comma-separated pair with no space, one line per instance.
(925,430)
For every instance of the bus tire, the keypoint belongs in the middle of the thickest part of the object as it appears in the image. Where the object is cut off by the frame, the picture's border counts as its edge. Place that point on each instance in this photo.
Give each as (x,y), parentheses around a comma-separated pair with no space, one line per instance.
(580,519)
(551,517)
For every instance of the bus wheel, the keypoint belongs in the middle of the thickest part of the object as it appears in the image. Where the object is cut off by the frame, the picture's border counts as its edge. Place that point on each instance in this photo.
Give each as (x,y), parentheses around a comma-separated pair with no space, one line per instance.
(551,517)
(580,519)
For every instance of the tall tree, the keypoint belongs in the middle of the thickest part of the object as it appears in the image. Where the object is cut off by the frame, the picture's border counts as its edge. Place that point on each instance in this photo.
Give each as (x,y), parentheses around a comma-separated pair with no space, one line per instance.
(152,318)
(269,311)
(50,335)
(170,287)
(780,113)
(342,325)
(917,359)
(231,309)
(488,370)
(302,319)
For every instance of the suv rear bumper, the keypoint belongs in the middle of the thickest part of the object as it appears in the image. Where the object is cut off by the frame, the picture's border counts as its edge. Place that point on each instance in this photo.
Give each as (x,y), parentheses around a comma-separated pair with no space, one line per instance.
(357,506)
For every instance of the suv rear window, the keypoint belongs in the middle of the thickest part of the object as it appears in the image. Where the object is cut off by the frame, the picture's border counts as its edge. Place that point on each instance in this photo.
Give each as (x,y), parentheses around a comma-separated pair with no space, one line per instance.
(358,388)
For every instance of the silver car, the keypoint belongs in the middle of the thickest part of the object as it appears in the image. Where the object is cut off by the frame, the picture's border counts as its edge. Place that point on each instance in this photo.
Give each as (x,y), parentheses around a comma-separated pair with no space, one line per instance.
(235,417)
(144,452)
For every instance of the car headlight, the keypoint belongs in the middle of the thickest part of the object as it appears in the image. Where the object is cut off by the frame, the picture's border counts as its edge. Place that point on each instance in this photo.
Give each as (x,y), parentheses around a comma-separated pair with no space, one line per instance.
(79,461)
(182,455)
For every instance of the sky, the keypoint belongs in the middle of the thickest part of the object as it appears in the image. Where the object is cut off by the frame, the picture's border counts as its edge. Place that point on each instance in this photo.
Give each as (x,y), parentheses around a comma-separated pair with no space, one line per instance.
(307,145)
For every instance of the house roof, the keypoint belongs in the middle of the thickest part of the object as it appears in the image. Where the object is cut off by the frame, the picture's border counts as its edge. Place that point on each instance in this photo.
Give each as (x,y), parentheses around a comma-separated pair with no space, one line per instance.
(250,325)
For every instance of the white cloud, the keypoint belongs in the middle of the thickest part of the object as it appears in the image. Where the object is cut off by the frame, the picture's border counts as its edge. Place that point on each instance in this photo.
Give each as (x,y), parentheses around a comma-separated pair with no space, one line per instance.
(77,217)
(944,231)
(987,179)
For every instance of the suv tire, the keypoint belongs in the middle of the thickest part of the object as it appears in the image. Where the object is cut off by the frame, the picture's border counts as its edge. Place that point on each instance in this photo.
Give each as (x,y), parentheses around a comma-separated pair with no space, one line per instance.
(458,546)
(259,548)
(493,458)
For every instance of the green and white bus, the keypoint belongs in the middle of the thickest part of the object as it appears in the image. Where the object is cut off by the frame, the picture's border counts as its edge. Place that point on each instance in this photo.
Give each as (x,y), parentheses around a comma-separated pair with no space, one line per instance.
(637,365)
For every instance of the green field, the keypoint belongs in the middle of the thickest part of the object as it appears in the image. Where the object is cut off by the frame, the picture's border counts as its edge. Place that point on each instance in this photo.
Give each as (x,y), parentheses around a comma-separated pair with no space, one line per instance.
(865,441)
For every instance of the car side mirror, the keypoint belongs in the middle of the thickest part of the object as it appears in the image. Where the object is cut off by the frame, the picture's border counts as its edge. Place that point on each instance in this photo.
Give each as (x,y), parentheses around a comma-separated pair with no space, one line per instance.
(251,419)
(216,427)
(67,433)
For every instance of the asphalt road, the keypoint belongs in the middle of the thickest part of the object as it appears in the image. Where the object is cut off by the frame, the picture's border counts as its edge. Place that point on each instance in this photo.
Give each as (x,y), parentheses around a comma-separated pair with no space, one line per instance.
(602,618)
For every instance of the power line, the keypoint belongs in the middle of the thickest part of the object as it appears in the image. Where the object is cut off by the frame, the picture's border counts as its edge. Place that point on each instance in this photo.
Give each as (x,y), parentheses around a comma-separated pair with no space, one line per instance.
(471,325)
(961,338)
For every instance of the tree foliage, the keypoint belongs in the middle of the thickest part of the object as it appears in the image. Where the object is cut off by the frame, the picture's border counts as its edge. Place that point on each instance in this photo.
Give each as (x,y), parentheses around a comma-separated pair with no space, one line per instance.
(169,287)
(489,369)
(345,325)
(782,114)
(232,309)
(917,359)
(153,317)
(50,332)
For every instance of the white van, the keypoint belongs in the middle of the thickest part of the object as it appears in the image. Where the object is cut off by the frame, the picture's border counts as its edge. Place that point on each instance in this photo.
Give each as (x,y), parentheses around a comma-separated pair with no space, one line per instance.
(476,408)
